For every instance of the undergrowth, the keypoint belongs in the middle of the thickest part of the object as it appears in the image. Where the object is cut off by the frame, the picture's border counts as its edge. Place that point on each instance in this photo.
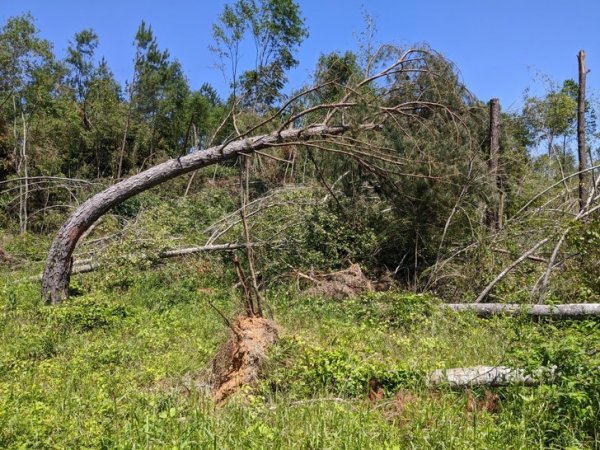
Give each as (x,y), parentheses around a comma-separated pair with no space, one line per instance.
(106,370)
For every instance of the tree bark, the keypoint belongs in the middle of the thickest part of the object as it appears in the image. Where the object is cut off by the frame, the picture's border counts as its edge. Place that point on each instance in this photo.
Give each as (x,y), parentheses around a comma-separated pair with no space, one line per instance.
(581,130)
(57,272)
(493,217)
(566,311)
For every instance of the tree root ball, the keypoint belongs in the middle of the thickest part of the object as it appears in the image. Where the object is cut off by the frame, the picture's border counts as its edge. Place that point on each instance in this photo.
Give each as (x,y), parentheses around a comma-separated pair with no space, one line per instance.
(238,362)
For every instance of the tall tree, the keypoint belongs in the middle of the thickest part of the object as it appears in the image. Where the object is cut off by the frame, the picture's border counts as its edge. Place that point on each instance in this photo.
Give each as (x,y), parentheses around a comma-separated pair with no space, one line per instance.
(26,75)
(155,121)
(276,29)
(552,116)
(80,59)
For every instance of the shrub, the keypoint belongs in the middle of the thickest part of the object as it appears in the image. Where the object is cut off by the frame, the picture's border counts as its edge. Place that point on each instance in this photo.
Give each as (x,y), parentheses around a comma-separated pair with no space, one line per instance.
(87,313)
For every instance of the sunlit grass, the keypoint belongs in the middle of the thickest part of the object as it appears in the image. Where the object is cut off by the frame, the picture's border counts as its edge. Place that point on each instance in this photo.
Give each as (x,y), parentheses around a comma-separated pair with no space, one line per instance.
(108,369)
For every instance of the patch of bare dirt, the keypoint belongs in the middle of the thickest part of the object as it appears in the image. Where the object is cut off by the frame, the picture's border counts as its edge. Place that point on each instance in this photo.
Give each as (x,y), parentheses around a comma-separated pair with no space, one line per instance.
(346,283)
(239,361)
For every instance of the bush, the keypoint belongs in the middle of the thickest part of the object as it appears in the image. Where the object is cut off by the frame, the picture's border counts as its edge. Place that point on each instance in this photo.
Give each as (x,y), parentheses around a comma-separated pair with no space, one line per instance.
(88,313)
(307,370)
(569,407)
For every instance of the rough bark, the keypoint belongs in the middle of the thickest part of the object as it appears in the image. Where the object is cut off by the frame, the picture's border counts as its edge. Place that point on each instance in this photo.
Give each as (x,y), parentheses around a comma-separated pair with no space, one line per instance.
(565,311)
(57,272)
(581,130)
(493,218)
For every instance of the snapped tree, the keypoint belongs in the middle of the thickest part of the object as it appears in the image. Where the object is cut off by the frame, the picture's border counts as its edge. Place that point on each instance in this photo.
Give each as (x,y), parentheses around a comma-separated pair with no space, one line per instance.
(348,127)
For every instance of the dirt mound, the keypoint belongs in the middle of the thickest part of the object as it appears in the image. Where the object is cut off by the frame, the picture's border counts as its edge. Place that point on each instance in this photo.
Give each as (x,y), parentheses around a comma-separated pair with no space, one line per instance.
(339,285)
(240,359)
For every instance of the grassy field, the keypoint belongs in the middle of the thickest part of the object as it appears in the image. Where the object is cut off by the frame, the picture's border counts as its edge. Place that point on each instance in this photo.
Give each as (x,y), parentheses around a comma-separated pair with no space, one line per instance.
(111,368)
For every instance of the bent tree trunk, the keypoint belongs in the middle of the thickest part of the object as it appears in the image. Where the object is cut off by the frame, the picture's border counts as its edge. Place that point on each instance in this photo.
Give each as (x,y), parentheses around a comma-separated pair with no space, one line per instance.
(57,272)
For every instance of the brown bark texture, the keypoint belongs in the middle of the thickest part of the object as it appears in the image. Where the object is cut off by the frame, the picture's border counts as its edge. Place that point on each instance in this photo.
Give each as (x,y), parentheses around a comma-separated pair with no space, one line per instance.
(581,130)
(494,218)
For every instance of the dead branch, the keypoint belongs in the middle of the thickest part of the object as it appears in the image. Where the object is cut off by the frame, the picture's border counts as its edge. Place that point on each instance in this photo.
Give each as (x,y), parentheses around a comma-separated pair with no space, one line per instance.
(510,267)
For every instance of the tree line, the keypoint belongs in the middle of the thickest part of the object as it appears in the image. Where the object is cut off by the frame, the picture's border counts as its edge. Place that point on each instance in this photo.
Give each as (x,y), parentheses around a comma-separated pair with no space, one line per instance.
(444,171)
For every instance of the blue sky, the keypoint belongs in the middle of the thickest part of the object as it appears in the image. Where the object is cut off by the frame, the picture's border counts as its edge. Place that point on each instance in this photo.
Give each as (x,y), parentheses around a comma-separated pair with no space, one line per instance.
(499,46)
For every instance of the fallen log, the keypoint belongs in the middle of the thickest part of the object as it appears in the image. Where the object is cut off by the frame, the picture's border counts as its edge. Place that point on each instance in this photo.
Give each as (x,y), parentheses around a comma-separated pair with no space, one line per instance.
(565,311)
(490,376)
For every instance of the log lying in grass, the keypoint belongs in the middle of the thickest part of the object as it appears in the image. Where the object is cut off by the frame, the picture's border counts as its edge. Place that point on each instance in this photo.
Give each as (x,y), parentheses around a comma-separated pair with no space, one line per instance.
(87,265)
(490,376)
(566,311)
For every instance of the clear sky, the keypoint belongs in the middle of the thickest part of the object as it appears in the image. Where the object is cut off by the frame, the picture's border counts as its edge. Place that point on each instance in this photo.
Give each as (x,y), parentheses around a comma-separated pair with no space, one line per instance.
(499,46)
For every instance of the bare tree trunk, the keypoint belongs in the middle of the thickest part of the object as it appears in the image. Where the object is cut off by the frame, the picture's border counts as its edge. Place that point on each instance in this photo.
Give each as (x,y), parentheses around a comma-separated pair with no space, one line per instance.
(256,303)
(25,174)
(22,168)
(493,216)
(581,129)
(57,272)
(129,112)
(123,142)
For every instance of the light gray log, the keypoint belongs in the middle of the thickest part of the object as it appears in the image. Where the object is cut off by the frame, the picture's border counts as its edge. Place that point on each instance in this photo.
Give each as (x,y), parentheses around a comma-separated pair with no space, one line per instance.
(205,248)
(87,265)
(492,376)
(565,311)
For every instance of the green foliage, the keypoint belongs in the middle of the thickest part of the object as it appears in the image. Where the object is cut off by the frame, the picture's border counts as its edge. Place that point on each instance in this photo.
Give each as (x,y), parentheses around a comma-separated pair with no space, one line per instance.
(277,29)
(584,238)
(88,313)
(334,72)
(554,116)
(568,407)
(331,241)
(316,370)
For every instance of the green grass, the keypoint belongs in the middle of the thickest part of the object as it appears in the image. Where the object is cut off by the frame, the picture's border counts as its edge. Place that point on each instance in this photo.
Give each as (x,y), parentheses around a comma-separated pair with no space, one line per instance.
(105,370)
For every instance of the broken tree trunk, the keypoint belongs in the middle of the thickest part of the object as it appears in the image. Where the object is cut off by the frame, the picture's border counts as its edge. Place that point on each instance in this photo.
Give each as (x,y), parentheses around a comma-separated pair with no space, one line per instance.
(581,130)
(566,311)
(57,272)
(493,216)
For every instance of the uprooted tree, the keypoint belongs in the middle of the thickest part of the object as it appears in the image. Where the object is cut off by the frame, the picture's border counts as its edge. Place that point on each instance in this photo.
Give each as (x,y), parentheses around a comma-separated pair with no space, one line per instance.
(400,93)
